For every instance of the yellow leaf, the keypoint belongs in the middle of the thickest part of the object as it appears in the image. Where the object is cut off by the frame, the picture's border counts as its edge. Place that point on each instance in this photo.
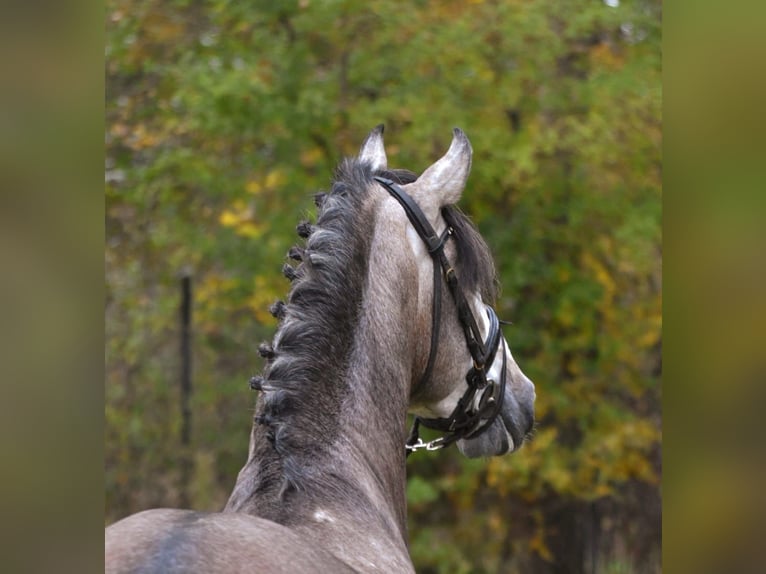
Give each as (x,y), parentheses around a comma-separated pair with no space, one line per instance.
(603,490)
(142,138)
(537,544)
(311,157)
(262,296)
(253,187)
(603,55)
(275,178)
(228,219)
(249,229)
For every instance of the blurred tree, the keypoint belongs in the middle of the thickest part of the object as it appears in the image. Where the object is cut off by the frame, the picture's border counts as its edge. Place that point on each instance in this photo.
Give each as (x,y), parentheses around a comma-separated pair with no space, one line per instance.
(224,117)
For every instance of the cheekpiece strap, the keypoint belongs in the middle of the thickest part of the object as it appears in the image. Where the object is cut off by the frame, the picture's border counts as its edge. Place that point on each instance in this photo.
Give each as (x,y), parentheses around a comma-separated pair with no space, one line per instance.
(464,422)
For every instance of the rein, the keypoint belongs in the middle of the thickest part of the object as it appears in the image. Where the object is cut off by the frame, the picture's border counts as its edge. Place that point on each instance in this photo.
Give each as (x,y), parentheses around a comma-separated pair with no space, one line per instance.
(465,421)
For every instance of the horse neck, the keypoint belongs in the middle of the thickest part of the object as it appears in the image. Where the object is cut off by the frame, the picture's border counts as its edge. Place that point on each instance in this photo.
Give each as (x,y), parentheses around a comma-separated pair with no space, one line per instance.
(359,474)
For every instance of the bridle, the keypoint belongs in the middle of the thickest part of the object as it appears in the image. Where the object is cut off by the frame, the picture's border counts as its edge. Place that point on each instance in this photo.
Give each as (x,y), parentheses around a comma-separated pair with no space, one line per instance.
(465,421)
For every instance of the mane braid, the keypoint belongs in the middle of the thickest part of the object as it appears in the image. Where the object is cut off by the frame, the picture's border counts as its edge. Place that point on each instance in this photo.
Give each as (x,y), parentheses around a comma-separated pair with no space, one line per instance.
(310,350)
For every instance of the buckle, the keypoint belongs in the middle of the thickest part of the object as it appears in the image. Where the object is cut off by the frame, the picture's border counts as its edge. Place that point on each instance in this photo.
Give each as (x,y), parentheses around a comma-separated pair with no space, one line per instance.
(488,396)
(435,444)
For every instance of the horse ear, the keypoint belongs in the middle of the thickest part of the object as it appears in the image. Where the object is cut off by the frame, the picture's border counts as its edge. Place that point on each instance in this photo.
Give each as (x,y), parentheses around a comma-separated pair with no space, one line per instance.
(443,183)
(373,151)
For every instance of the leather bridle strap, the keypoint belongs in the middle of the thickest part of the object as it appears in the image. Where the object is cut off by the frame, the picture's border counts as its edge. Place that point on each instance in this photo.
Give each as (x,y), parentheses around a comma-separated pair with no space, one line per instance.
(435,245)
(463,422)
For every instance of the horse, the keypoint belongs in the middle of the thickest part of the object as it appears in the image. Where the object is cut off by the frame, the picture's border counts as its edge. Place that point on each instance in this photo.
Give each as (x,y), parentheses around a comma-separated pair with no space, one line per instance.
(388,313)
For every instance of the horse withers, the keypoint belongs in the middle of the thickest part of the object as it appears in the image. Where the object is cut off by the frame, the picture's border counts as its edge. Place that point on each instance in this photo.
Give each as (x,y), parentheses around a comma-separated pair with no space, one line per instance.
(387,314)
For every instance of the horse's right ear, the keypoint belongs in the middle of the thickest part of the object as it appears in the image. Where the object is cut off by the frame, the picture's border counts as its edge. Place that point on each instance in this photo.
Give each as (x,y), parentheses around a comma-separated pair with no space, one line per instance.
(373,151)
(442,183)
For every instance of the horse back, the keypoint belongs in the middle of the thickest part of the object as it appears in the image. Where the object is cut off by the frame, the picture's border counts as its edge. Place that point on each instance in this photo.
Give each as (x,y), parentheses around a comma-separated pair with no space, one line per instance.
(175,541)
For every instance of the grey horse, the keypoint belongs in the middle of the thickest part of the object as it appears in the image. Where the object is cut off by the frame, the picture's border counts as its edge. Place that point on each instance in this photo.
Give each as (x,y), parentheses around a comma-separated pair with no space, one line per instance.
(323,488)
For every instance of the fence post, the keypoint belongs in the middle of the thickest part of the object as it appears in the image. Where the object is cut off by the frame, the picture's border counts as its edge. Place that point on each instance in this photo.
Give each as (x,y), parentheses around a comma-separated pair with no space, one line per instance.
(186,364)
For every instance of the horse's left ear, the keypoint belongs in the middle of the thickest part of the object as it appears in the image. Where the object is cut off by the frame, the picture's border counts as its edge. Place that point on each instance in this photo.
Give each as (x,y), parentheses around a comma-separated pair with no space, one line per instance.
(443,183)
(373,151)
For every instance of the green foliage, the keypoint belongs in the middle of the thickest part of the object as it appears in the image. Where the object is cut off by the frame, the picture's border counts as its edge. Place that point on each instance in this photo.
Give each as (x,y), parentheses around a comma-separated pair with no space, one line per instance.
(420,491)
(224,117)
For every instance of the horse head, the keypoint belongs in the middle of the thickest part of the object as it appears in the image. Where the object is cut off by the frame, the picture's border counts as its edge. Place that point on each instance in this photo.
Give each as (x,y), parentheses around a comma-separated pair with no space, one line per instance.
(466,381)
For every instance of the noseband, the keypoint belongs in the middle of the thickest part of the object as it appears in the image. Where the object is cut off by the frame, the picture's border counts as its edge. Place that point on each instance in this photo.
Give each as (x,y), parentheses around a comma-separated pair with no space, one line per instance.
(465,421)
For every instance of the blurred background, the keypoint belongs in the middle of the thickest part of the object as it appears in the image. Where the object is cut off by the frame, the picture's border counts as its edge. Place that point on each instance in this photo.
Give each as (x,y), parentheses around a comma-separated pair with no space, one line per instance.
(222,120)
